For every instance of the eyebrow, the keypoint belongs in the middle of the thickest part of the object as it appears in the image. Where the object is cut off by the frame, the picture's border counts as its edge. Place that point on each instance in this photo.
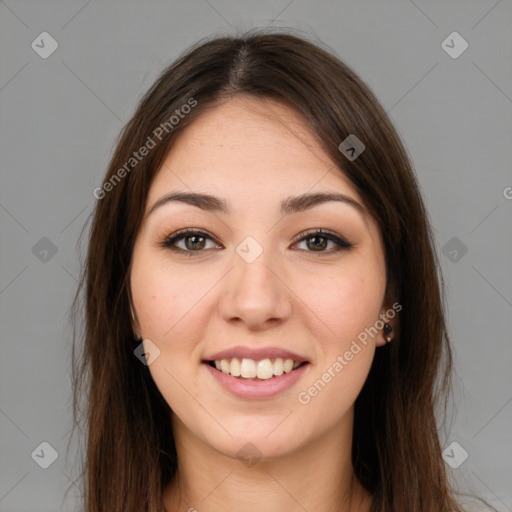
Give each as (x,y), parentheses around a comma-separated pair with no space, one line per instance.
(293,204)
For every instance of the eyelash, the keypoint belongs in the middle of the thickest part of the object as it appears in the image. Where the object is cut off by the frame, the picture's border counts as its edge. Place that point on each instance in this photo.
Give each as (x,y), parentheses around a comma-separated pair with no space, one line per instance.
(341,243)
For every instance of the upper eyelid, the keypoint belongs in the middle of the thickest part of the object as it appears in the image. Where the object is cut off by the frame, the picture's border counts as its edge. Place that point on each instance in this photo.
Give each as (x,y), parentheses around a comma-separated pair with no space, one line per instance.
(187,232)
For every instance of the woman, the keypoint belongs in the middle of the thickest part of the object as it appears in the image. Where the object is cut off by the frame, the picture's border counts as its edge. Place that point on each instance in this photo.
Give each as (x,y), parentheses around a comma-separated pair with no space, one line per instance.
(264,323)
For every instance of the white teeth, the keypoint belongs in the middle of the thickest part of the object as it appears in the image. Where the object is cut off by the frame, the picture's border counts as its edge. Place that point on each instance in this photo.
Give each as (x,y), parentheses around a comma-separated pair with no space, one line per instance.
(288,365)
(264,369)
(278,366)
(249,368)
(235,368)
(224,365)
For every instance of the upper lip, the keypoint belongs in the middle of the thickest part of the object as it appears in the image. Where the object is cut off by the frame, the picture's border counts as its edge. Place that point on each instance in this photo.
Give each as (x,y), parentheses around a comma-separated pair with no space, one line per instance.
(256,353)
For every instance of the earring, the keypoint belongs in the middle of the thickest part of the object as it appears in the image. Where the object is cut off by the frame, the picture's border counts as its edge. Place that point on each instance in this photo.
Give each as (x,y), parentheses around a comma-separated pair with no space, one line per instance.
(388,329)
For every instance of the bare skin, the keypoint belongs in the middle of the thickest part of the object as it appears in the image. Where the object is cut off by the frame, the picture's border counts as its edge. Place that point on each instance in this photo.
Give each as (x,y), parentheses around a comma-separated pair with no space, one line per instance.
(296,295)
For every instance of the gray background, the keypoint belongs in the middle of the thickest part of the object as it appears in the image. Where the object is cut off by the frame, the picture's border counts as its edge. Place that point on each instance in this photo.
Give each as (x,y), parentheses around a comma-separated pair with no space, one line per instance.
(59,120)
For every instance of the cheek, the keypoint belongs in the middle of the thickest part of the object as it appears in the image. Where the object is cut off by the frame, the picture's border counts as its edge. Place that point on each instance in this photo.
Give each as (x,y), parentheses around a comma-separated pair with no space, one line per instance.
(346,300)
(163,297)
(333,389)
(168,307)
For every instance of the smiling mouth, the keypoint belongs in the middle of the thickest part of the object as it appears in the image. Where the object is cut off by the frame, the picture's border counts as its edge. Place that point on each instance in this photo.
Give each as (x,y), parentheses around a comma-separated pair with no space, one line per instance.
(255,370)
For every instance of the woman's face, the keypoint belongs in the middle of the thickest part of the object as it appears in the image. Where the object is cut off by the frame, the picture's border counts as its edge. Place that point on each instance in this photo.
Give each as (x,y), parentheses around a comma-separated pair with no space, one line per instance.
(253,286)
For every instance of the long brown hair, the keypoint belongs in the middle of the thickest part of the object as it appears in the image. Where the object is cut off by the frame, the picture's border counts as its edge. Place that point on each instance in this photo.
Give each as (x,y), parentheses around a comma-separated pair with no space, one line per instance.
(130,453)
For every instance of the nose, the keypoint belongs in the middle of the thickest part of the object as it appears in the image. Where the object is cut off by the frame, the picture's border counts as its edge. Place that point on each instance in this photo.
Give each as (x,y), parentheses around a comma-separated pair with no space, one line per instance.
(255,294)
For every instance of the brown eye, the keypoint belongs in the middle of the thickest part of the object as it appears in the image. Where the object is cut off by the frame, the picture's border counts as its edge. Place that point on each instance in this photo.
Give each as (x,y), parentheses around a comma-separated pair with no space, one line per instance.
(196,242)
(193,241)
(317,240)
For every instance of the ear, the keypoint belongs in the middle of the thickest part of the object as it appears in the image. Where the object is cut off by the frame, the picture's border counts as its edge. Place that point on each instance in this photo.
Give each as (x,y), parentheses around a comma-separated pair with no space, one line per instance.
(388,316)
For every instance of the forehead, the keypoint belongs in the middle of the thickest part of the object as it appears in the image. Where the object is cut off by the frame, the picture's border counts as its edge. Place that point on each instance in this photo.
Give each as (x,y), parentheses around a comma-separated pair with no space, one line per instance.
(247,145)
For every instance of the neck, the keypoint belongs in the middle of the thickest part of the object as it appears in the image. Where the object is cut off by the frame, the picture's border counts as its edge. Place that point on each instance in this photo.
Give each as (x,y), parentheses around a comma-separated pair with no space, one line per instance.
(317,477)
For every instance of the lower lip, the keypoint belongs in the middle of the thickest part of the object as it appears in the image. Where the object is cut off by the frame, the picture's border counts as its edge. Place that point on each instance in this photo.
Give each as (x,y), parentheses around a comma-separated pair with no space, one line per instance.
(257,389)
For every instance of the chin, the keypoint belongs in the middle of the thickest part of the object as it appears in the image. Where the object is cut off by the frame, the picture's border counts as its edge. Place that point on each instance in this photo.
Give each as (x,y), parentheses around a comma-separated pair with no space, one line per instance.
(256,437)
(251,450)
